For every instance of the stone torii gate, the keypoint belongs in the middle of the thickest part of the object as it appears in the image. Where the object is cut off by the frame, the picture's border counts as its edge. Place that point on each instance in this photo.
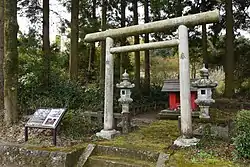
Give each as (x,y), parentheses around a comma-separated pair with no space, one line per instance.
(181,22)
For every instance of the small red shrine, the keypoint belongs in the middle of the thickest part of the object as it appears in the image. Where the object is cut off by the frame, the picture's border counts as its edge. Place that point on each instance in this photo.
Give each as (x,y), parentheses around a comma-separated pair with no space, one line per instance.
(172,86)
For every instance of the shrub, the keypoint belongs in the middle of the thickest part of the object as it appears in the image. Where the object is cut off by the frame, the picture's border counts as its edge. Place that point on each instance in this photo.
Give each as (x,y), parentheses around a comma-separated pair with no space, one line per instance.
(61,93)
(242,139)
(75,126)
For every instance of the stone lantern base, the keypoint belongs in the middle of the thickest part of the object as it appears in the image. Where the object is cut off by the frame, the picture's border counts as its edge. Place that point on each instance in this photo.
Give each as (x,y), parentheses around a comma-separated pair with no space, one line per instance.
(204,112)
(126,122)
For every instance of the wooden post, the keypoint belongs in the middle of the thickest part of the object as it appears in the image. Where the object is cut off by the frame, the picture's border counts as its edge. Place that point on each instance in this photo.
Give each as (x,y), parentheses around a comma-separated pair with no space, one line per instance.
(26,133)
(54,136)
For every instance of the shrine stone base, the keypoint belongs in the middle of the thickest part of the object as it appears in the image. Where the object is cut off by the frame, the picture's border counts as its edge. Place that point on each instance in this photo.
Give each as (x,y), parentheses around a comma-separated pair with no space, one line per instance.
(172,114)
(108,134)
(184,142)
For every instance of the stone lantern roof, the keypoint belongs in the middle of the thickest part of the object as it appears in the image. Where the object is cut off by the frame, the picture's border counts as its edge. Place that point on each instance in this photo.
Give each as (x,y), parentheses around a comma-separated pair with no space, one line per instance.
(125,84)
(204,81)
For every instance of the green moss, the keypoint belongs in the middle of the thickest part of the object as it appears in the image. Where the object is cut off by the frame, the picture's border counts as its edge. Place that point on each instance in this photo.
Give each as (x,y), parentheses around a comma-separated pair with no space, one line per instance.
(202,159)
(126,160)
(155,137)
(159,135)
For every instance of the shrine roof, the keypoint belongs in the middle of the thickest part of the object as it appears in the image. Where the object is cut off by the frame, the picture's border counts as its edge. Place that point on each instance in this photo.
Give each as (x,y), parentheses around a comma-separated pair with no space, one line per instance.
(173,85)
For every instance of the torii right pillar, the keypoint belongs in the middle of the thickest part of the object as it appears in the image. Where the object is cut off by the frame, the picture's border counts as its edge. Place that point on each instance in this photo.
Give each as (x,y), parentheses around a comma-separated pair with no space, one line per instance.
(186,138)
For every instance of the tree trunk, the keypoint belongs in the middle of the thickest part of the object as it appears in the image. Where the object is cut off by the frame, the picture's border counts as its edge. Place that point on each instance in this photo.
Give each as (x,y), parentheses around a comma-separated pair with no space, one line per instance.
(123,40)
(179,8)
(91,59)
(137,53)
(1,58)
(73,62)
(204,37)
(146,53)
(103,44)
(229,62)
(204,45)
(10,61)
(92,45)
(46,44)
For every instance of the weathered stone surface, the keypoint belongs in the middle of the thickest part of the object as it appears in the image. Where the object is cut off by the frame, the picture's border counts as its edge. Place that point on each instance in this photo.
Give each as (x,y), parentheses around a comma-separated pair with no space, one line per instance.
(145,46)
(223,131)
(162,160)
(185,142)
(108,131)
(109,81)
(17,155)
(126,122)
(108,134)
(195,19)
(104,162)
(85,155)
(128,153)
(185,95)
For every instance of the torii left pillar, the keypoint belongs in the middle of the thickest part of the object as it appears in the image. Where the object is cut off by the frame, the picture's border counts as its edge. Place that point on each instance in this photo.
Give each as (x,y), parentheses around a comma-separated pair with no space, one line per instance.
(108,131)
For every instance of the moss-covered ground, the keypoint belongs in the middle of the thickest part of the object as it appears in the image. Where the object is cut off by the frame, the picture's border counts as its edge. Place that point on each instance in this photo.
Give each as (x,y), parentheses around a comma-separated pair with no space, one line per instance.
(159,136)
(54,148)
(126,160)
(154,137)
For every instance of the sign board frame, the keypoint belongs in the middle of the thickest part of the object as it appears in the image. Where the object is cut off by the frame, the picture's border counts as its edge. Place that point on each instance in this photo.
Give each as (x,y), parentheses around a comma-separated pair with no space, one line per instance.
(45,118)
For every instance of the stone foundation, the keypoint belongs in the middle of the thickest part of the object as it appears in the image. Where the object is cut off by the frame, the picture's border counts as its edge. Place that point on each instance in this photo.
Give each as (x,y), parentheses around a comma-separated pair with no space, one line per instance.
(19,156)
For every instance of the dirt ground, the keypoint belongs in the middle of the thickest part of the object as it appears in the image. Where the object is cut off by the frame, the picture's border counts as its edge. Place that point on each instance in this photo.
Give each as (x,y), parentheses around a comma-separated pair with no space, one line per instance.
(43,137)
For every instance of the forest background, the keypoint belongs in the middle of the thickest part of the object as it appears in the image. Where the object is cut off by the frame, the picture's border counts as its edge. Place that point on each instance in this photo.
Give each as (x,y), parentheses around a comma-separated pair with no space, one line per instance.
(41,72)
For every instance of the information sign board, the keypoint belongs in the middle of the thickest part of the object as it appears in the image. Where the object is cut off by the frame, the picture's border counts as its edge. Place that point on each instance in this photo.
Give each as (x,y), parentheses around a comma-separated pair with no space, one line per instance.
(46,118)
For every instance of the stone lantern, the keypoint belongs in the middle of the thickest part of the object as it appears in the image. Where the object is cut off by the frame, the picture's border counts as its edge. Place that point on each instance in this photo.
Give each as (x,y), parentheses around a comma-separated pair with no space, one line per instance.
(204,86)
(125,92)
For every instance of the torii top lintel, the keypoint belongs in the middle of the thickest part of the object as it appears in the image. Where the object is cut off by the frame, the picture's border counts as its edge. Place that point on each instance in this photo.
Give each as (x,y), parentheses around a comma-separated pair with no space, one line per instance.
(189,20)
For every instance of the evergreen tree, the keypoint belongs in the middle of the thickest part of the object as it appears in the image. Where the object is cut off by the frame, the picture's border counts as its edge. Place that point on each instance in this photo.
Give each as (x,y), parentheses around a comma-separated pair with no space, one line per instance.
(46,44)
(10,61)
(229,62)
(92,45)
(136,41)
(103,43)
(1,57)
(146,53)
(73,63)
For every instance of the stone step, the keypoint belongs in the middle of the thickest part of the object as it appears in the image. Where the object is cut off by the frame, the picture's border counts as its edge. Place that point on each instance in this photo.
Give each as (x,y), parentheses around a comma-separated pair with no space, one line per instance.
(126,153)
(108,161)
